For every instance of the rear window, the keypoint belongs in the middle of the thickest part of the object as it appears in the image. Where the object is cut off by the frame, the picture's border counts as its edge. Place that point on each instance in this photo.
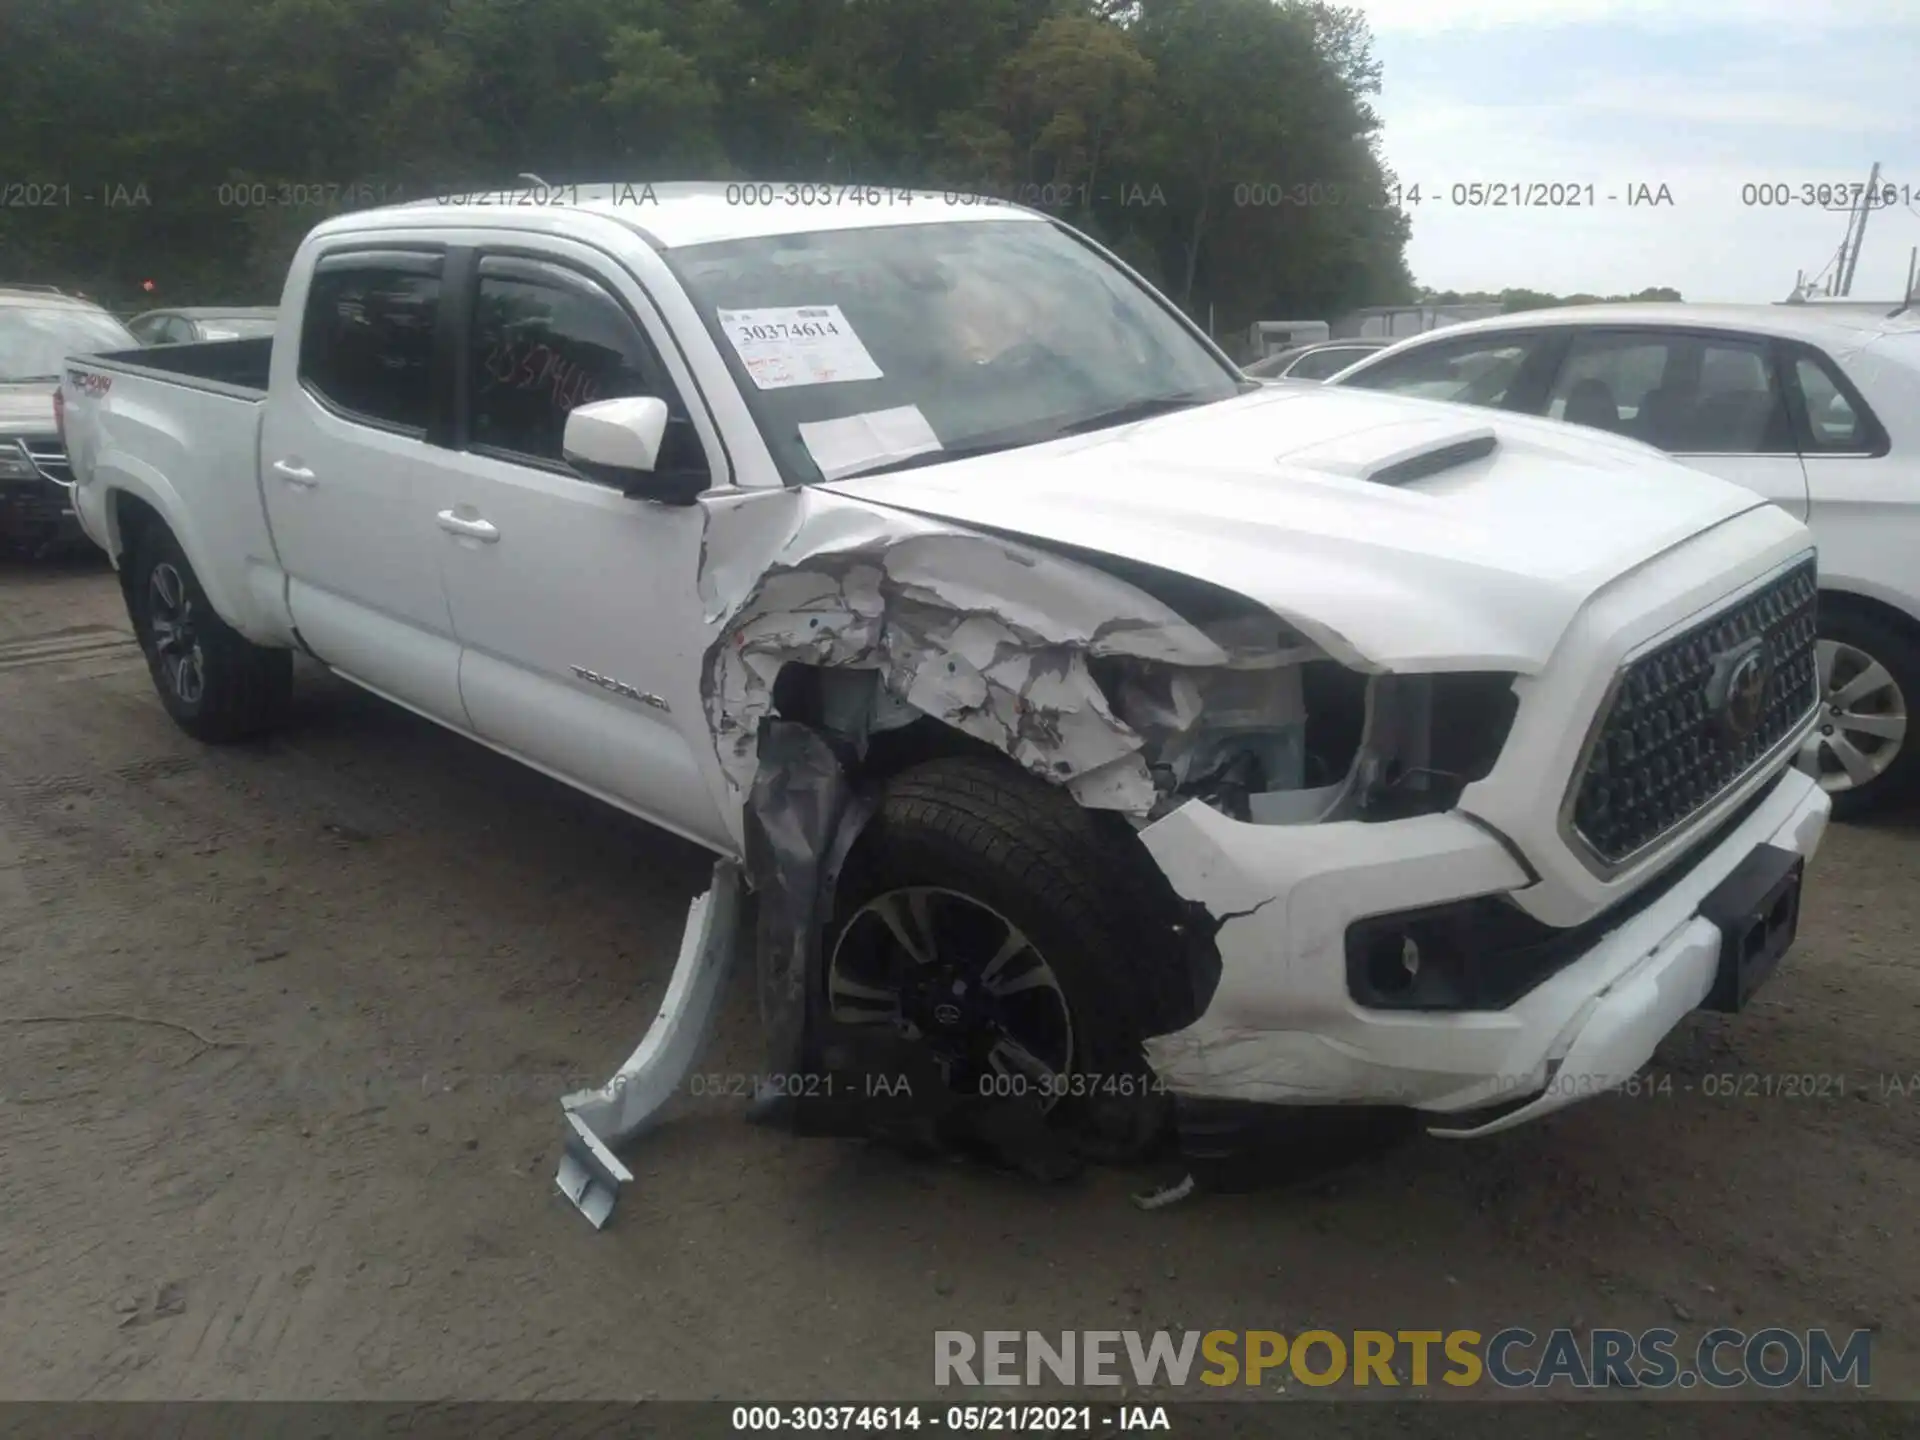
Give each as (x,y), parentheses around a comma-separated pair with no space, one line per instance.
(366,339)
(35,341)
(232,327)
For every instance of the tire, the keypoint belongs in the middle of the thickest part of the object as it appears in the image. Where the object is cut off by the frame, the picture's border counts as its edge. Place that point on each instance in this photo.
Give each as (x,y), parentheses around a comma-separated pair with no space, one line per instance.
(1890,774)
(1023,851)
(217,685)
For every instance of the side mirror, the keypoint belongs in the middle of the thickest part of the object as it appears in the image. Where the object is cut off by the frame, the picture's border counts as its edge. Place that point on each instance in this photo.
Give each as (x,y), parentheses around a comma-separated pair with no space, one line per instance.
(620,441)
(619,434)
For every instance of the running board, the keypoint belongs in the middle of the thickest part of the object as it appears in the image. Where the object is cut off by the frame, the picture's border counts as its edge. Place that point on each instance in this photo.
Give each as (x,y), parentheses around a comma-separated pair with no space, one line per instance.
(628,1105)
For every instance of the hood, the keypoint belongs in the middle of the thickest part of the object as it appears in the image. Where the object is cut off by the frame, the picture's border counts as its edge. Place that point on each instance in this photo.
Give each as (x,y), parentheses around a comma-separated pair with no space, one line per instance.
(27,409)
(1472,547)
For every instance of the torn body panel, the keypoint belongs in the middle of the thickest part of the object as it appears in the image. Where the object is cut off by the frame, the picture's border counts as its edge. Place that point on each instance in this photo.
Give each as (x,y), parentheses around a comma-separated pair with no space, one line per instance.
(629,1104)
(1283,1026)
(991,638)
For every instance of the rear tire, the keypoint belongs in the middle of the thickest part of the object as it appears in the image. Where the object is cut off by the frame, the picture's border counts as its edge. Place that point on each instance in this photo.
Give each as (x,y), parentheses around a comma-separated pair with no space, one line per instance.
(217,685)
(983,857)
(1863,749)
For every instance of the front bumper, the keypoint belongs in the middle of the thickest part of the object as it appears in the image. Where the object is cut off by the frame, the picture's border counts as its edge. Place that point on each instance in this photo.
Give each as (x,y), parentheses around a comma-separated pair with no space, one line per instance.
(37,510)
(1282,1027)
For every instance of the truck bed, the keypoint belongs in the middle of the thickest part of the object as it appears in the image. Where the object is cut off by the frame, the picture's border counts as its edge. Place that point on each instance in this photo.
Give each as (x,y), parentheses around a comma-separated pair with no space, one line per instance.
(208,364)
(178,427)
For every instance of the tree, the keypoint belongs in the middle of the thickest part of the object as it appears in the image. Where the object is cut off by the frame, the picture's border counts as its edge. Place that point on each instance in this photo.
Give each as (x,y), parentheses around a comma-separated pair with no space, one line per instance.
(229,130)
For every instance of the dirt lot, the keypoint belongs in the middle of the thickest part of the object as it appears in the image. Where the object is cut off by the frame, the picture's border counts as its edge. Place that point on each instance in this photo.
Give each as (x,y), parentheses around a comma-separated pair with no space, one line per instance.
(283,1030)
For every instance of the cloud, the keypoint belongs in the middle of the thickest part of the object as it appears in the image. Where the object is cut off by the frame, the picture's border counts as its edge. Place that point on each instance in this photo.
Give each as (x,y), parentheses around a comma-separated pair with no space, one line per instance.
(1790,17)
(1707,98)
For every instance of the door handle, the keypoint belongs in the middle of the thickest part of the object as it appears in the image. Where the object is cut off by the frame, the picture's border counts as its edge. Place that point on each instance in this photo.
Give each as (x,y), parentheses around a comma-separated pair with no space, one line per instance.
(473,529)
(296,474)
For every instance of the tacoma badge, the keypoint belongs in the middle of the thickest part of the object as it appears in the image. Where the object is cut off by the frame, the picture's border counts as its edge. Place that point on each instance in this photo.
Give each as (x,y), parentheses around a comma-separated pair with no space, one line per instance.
(619,687)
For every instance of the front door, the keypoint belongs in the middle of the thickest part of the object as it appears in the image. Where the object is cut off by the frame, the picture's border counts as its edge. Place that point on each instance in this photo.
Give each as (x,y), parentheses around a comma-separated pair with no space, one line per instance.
(576,605)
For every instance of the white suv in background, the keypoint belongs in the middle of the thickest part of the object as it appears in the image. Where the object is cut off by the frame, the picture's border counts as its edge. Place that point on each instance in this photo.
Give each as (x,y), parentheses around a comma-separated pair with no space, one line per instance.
(1816,409)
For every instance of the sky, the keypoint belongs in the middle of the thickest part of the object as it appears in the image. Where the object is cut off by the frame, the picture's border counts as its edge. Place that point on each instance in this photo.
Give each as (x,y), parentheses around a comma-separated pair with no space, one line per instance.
(1701,96)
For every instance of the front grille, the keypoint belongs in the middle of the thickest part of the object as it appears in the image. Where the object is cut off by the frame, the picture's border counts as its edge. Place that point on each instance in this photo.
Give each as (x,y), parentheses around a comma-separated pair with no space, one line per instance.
(1670,743)
(49,457)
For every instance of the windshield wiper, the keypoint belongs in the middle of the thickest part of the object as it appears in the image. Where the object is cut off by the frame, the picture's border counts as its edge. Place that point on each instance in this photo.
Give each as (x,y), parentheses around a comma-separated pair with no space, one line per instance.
(27,379)
(1133,410)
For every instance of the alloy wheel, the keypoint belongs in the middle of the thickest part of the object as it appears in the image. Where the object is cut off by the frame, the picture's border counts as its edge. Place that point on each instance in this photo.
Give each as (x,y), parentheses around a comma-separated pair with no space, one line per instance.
(176,639)
(945,968)
(1862,722)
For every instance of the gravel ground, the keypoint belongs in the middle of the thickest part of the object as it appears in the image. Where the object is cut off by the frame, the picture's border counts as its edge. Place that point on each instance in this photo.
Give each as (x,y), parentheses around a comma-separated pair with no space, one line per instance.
(283,1029)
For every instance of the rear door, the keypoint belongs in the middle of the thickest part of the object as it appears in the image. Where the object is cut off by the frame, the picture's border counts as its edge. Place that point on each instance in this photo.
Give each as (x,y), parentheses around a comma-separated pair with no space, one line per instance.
(1715,400)
(1864,497)
(576,605)
(345,472)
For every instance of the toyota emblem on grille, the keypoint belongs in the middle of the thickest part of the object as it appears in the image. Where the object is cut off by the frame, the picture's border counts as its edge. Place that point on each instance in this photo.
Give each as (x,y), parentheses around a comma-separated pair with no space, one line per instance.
(1737,693)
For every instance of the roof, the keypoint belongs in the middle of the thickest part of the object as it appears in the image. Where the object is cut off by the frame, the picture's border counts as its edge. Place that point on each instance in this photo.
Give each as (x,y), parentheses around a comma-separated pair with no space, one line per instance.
(46,299)
(1799,322)
(699,212)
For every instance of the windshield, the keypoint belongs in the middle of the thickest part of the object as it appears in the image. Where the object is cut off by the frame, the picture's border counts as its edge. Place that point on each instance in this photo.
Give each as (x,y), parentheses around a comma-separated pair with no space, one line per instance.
(861,349)
(236,327)
(35,342)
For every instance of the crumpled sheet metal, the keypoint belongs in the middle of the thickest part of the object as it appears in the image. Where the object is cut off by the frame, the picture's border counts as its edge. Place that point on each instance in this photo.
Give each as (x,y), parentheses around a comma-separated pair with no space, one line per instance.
(979,632)
(803,815)
(590,1174)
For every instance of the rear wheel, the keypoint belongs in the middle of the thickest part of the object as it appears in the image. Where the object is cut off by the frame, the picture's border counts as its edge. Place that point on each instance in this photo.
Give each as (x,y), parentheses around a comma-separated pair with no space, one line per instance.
(983,913)
(216,684)
(1860,749)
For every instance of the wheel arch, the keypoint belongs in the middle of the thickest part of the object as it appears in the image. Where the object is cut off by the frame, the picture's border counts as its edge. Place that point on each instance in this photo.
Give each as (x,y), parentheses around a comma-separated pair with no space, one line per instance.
(1873,607)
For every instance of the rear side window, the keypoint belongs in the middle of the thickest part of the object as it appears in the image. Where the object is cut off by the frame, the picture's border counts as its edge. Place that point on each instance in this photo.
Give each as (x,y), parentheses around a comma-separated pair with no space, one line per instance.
(1687,394)
(366,340)
(1836,423)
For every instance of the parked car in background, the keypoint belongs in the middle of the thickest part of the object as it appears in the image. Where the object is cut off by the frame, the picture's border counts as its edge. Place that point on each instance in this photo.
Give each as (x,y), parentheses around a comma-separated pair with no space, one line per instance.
(204,322)
(1816,408)
(39,328)
(1319,361)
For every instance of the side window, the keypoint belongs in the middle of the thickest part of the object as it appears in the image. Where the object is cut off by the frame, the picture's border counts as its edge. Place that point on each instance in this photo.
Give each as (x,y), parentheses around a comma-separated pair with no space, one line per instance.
(544,340)
(147,329)
(178,331)
(1605,379)
(1469,372)
(1834,422)
(366,339)
(1322,364)
(1687,394)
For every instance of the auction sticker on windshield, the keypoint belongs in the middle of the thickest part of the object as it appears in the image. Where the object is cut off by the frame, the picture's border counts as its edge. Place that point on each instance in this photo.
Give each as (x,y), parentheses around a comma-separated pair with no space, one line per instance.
(798,345)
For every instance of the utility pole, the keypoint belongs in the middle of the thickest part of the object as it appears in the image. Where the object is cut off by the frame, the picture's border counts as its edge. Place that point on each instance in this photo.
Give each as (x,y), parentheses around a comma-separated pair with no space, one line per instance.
(1856,233)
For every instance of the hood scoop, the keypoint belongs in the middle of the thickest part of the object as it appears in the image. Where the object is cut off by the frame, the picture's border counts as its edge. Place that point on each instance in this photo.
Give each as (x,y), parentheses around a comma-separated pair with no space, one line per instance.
(1398,454)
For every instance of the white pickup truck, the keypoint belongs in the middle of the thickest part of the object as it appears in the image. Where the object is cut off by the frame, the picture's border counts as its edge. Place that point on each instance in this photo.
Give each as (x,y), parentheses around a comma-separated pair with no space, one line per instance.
(1084,724)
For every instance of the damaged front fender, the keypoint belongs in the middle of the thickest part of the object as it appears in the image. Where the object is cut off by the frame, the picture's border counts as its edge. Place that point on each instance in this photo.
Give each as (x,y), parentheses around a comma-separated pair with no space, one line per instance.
(980,633)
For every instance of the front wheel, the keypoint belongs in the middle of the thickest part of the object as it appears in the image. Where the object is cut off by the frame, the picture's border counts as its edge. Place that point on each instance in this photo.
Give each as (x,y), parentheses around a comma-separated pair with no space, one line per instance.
(982,913)
(216,684)
(1860,750)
